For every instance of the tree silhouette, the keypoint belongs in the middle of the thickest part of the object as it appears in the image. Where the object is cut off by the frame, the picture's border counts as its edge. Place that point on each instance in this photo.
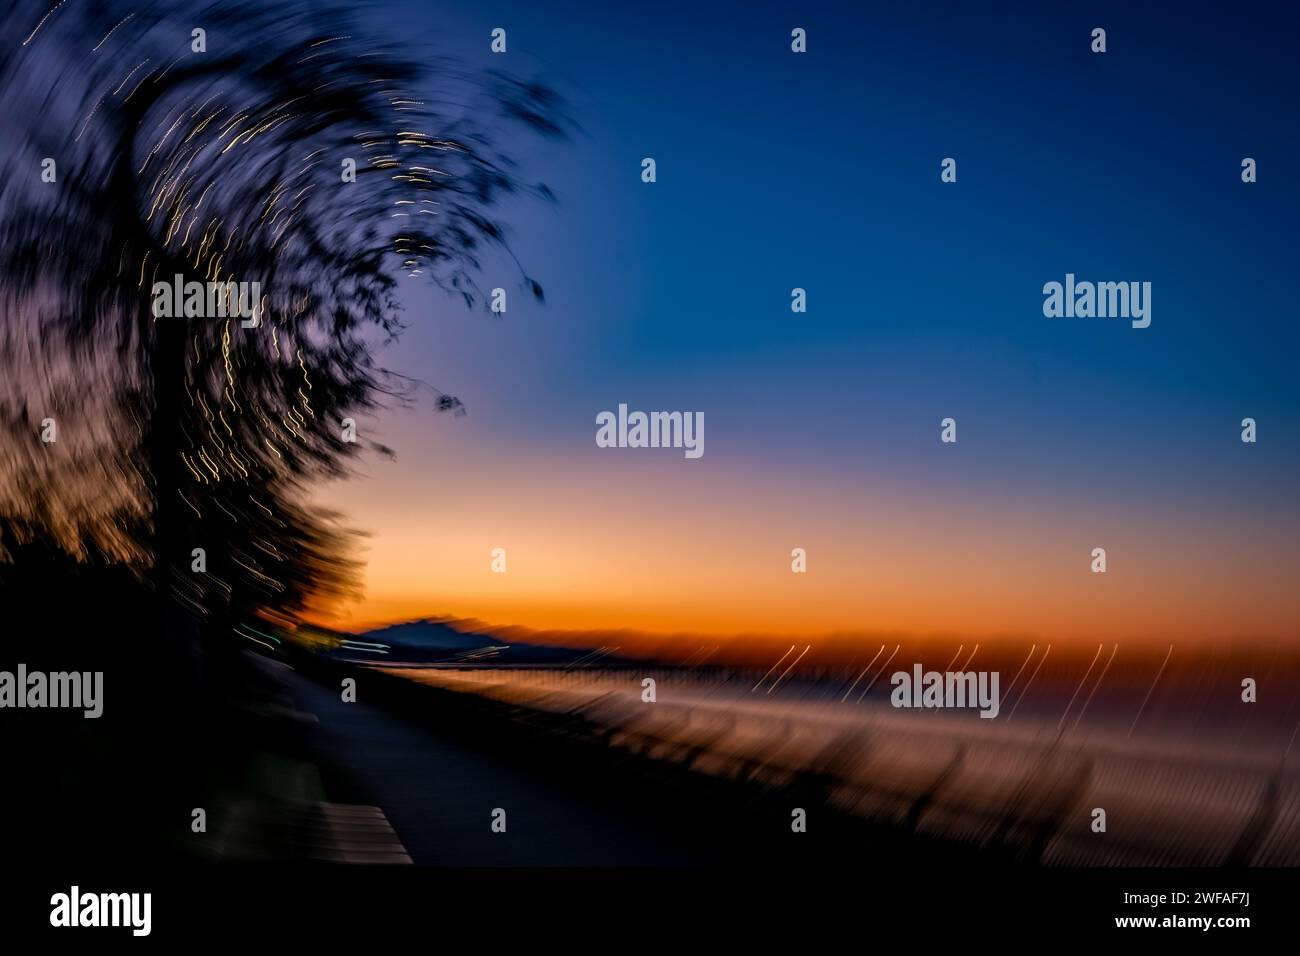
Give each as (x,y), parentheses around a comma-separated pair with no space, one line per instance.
(224,157)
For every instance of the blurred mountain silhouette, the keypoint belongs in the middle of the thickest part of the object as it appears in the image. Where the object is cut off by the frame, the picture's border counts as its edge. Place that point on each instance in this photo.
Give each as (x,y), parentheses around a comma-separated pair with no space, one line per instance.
(431,641)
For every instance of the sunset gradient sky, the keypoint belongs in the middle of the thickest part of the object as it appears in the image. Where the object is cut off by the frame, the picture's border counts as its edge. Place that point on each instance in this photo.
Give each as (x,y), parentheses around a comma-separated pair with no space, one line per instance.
(822,429)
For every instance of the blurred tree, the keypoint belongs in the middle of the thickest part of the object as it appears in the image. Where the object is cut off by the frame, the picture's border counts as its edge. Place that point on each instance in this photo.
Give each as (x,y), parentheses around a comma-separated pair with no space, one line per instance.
(228,160)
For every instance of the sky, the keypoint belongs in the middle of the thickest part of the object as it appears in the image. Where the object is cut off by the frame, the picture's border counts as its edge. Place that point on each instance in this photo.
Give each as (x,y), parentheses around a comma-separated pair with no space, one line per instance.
(821,171)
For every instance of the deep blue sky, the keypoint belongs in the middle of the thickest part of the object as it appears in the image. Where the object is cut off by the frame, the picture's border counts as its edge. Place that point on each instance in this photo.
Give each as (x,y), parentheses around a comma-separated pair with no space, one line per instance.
(822,171)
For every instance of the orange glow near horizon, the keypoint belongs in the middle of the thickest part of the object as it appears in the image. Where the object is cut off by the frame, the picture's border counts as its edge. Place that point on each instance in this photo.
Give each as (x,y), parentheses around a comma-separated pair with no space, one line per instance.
(704,547)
